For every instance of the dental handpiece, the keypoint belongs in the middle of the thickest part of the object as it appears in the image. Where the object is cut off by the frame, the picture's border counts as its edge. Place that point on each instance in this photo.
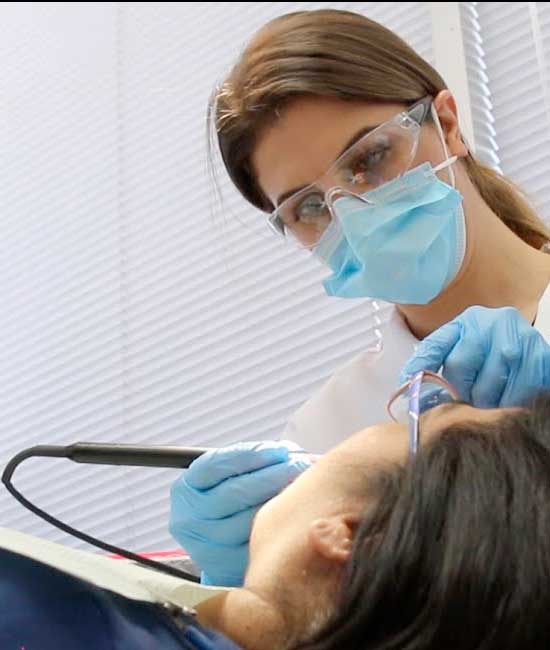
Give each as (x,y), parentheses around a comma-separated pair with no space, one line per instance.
(111,454)
(117,454)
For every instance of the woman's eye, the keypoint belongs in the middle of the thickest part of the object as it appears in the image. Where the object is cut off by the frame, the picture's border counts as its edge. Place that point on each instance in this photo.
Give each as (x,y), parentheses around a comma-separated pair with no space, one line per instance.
(369,161)
(310,209)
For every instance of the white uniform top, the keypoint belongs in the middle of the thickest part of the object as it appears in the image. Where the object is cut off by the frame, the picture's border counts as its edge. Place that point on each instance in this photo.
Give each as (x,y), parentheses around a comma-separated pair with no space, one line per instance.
(356,395)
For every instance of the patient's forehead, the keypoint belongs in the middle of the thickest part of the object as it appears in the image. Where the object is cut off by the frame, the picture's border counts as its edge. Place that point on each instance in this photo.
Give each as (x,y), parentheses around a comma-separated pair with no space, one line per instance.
(388,442)
(380,444)
(436,420)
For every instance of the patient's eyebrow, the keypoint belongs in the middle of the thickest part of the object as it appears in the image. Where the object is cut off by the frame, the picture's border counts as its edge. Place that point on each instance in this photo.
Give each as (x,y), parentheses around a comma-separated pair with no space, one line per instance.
(447,406)
(442,409)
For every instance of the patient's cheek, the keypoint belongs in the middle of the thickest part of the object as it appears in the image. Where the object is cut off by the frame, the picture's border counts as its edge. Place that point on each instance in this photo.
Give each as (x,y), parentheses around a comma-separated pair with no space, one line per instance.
(274,517)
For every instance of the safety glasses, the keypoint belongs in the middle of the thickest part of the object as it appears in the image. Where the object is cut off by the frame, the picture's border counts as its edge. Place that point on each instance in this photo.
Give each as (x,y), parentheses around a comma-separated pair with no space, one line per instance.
(422,392)
(379,156)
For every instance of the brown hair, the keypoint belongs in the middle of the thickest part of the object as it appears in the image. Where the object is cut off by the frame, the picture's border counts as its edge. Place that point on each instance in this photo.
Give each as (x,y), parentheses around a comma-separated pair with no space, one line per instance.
(334,53)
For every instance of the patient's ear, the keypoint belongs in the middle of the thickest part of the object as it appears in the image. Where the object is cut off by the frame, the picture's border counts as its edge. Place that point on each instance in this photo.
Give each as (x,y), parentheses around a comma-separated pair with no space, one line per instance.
(332,537)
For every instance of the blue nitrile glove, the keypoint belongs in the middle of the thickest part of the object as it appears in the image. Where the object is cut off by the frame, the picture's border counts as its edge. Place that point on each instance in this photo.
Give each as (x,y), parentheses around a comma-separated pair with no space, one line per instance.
(493,357)
(214,501)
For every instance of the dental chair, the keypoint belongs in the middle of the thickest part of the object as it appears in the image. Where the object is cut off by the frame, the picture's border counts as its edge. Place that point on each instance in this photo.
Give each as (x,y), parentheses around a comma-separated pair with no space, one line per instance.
(55,598)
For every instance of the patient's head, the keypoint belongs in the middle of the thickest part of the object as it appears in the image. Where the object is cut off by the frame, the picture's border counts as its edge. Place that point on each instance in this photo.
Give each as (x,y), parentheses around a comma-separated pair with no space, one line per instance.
(456,552)
(369,549)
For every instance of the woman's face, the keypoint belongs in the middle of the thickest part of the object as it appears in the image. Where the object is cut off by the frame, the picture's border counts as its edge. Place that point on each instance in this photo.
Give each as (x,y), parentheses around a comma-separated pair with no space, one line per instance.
(312,132)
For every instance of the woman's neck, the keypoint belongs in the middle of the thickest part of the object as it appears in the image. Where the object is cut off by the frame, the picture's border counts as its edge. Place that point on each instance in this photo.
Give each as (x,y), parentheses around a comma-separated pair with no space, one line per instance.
(499,270)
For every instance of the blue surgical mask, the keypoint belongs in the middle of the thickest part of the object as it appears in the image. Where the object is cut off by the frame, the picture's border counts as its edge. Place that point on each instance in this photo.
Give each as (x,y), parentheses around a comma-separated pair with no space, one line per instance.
(404,243)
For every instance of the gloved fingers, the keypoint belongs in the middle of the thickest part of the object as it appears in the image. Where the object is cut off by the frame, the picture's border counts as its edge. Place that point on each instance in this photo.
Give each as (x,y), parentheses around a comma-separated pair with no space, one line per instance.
(488,388)
(219,464)
(297,464)
(228,531)
(517,391)
(248,490)
(236,493)
(221,565)
(503,355)
(231,574)
(430,354)
(464,363)
(530,375)
(214,558)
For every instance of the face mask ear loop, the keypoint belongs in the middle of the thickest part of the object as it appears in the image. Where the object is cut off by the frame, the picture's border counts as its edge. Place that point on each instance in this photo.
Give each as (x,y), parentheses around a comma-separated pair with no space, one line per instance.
(446,163)
(435,118)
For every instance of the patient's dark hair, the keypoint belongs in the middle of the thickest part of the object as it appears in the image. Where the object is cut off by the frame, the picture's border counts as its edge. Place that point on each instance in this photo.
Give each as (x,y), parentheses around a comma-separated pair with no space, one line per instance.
(456,555)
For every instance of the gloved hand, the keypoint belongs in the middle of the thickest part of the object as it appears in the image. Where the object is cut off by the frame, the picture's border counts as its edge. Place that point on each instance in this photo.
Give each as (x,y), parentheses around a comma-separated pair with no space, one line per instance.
(214,501)
(493,357)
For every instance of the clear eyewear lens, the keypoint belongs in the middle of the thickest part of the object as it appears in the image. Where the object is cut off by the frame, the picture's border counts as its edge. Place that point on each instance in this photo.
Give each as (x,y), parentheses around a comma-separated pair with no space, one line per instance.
(432,394)
(377,158)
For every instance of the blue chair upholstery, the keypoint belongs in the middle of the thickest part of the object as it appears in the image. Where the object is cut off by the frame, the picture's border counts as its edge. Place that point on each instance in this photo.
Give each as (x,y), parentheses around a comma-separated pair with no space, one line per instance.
(45,609)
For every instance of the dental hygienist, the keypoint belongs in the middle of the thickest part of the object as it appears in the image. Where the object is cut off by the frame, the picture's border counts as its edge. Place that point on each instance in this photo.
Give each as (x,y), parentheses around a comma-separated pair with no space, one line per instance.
(349,142)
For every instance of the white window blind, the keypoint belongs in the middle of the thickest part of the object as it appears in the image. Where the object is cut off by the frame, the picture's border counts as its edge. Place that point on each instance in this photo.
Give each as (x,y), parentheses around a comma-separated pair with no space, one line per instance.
(129,314)
(508,56)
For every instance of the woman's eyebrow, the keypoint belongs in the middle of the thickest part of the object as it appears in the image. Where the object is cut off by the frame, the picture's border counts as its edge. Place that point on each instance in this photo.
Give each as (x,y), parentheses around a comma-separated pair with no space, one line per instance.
(355,138)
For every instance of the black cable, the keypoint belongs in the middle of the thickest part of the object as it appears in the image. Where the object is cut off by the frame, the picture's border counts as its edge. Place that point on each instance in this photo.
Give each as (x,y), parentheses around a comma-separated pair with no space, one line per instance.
(106,454)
